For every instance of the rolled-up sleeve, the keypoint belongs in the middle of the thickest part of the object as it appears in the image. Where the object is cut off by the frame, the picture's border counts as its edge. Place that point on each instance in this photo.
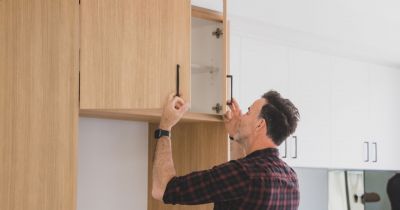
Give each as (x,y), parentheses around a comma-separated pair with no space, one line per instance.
(229,181)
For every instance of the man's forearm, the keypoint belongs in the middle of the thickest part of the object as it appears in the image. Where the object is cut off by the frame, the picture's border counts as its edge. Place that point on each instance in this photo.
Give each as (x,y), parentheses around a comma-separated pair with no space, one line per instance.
(163,167)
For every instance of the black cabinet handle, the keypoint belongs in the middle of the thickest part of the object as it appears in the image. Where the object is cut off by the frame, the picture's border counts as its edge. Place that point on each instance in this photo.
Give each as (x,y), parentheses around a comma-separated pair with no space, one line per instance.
(177,80)
(230,77)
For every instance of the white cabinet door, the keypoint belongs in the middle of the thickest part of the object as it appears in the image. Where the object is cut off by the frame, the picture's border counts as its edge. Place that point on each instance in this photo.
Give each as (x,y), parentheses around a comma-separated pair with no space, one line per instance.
(310,91)
(350,114)
(264,66)
(396,137)
(384,112)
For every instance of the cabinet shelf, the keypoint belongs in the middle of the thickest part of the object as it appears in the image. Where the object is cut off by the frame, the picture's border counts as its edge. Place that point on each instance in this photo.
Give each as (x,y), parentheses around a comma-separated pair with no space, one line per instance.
(150,115)
(207,14)
(209,69)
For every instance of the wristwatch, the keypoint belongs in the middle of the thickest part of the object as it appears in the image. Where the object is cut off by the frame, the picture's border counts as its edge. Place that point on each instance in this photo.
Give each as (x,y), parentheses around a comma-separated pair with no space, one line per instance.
(160,133)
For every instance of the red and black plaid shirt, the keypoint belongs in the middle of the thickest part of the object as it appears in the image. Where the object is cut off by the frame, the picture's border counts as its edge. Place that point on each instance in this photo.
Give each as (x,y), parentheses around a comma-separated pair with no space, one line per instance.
(261,180)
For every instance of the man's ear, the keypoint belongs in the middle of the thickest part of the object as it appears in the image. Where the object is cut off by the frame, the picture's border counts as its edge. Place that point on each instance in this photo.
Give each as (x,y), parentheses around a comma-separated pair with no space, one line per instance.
(261,123)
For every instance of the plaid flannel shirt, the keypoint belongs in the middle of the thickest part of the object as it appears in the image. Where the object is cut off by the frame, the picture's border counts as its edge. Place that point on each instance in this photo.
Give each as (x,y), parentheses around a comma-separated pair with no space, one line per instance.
(261,180)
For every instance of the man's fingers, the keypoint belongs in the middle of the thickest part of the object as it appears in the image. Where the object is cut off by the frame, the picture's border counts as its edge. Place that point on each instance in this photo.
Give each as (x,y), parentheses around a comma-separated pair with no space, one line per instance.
(232,106)
(178,102)
(237,111)
(184,108)
(235,104)
(171,96)
(228,115)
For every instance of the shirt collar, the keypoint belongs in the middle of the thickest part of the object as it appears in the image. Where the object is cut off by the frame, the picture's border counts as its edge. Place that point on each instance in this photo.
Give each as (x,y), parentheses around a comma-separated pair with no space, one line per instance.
(266,151)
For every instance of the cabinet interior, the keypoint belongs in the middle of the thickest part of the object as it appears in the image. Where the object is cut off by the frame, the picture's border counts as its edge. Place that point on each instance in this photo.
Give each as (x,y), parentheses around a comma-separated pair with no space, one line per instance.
(207,72)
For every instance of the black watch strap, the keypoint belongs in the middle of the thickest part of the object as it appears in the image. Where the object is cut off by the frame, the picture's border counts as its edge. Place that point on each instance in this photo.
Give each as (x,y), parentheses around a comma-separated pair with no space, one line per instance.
(160,133)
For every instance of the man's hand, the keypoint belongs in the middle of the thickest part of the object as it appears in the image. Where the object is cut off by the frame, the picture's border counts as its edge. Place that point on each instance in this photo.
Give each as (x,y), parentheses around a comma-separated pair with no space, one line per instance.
(174,109)
(232,118)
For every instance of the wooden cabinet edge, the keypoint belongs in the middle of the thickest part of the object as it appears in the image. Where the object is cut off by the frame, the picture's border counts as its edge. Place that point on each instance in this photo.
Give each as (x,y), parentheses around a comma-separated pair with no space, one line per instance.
(207,14)
(152,115)
(225,55)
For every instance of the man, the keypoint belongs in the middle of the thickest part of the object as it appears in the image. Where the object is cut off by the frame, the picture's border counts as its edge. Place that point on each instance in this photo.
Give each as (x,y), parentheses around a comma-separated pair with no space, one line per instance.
(261,180)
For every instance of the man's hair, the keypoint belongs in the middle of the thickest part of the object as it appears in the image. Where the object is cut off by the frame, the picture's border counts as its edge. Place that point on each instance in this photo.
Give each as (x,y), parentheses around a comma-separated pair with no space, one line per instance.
(281,116)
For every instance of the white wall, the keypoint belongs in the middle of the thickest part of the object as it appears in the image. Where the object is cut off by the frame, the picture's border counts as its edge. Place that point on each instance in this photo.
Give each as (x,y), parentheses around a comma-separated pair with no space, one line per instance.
(112,164)
(313,184)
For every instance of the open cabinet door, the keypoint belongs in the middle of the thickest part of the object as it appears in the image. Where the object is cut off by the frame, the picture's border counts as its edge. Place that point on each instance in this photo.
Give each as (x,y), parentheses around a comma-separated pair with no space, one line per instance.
(227,81)
(236,151)
(195,146)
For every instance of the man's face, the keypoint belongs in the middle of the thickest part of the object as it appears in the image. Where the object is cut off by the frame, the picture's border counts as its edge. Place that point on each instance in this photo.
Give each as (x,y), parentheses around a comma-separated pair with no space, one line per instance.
(250,119)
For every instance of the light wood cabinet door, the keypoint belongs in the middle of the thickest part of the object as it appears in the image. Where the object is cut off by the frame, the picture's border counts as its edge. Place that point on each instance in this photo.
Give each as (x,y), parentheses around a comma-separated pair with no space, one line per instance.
(195,146)
(130,50)
(38,104)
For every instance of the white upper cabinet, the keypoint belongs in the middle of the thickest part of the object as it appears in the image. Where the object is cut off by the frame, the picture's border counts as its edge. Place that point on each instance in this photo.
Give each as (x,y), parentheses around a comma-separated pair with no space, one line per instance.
(365,101)
(310,91)
(264,66)
(259,67)
(384,116)
(348,109)
(350,114)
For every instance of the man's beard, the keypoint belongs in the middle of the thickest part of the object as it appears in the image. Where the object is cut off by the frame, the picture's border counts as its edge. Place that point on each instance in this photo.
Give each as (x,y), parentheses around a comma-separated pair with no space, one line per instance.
(242,140)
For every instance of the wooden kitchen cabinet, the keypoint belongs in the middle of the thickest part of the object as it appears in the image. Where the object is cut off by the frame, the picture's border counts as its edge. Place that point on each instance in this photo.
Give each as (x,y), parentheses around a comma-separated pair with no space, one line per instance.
(130,51)
(129,54)
(38,104)
(117,59)
(195,146)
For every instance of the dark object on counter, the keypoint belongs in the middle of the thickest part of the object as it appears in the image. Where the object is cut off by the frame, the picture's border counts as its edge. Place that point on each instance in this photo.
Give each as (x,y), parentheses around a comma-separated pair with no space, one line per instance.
(370,197)
(393,191)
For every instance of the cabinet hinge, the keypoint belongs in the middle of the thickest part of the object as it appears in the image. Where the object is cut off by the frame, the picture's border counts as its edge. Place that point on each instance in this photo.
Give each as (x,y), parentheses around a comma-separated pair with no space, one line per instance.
(218,32)
(217,108)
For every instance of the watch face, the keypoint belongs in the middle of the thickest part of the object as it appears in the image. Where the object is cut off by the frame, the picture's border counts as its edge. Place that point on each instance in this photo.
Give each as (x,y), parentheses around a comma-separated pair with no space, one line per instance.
(159,133)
